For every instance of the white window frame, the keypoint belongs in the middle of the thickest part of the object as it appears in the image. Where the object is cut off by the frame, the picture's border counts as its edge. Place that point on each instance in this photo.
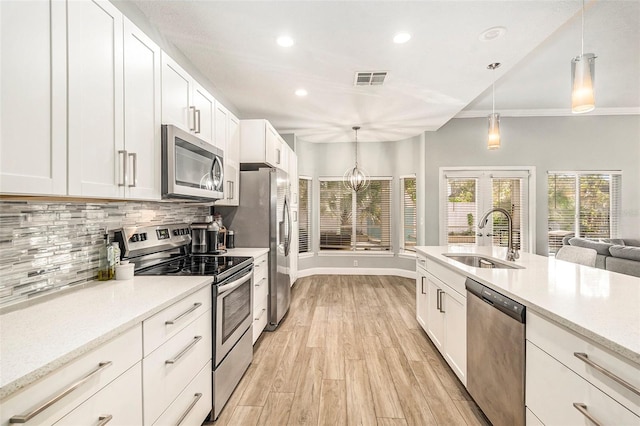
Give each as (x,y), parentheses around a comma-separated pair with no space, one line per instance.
(329,252)
(401,249)
(491,171)
(310,251)
(614,231)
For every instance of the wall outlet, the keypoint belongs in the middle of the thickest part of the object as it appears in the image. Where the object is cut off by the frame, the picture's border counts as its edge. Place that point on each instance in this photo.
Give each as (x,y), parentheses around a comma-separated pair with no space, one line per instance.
(355,263)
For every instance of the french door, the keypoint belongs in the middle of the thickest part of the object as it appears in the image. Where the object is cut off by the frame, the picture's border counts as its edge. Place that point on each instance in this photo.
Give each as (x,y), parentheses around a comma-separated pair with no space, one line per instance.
(465,196)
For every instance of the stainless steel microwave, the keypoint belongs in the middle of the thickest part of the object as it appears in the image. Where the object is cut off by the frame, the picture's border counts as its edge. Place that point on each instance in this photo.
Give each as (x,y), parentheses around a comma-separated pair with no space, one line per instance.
(191,168)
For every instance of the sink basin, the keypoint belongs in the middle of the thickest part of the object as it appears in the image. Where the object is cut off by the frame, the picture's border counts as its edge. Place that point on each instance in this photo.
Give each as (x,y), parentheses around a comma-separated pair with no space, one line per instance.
(479,261)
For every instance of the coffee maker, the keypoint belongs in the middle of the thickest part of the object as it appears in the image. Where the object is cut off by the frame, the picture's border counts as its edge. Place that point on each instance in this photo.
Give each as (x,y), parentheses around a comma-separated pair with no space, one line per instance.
(205,236)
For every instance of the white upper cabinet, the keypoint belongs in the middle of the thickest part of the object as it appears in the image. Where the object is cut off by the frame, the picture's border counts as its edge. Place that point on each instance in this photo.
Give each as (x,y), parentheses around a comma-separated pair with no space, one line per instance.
(114,105)
(185,103)
(142,109)
(95,99)
(33,147)
(228,130)
(260,143)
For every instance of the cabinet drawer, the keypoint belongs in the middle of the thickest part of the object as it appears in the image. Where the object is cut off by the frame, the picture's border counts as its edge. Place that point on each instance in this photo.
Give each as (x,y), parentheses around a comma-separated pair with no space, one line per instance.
(561,344)
(421,261)
(552,401)
(260,293)
(446,275)
(260,318)
(194,402)
(120,400)
(260,268)
(166,323)
(94,370)
(168,369)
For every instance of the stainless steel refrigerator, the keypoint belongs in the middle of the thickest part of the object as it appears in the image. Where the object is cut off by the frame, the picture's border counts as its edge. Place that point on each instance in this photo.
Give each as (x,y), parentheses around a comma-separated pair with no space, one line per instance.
(263,220)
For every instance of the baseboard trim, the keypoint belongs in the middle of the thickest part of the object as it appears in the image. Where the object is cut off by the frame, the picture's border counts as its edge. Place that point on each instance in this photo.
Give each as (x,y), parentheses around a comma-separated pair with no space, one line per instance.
(356,271)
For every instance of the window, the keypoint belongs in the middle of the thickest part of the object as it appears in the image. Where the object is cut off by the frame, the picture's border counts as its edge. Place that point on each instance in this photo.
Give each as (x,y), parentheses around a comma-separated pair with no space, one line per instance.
(408,202)
(304,214)
(467,194)
(355,221)
(584,204)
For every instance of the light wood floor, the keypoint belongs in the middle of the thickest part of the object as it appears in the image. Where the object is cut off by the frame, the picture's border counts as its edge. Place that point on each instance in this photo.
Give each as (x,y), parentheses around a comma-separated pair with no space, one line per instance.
(350,352)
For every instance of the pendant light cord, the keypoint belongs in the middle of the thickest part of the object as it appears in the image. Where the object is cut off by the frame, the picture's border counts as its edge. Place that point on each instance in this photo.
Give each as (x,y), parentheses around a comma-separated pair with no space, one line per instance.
(493,91)
(582,37)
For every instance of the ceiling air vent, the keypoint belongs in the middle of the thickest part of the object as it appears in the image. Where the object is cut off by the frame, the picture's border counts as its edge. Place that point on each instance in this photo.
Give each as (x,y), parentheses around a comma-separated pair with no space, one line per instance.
(370,78)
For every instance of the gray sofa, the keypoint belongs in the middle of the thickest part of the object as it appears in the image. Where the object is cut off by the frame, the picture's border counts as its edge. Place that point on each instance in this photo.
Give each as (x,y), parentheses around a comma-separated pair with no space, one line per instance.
(614,254)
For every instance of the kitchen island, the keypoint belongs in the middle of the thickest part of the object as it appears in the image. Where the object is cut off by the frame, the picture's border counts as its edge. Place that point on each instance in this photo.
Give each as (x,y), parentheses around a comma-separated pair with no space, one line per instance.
(570,310)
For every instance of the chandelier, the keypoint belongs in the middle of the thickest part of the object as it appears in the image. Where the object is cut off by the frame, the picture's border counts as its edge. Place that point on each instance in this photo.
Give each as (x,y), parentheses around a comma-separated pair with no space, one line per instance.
(356,178)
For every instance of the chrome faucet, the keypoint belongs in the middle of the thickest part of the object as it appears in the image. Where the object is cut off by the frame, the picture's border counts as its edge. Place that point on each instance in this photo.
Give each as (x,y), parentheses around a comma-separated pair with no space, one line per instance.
(512,253)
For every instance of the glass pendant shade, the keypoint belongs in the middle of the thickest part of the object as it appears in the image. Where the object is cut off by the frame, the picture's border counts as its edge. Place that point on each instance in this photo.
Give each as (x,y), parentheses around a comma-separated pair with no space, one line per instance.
(493,142)
(582,83)
(356,178)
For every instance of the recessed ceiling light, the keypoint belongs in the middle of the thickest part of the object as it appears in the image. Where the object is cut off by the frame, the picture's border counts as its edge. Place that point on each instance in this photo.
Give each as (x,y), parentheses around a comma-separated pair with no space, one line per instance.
(401,38)
(301,92)
(492,33)
(285,41)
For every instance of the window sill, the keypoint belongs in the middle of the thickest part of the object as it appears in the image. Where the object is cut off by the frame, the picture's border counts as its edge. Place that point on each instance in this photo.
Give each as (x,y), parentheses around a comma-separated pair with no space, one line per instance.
(407,254)
(305,255)
(356,253)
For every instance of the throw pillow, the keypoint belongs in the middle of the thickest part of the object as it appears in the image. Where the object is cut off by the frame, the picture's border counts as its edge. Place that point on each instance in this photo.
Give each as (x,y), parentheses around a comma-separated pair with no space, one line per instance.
(625,252)
(601,248)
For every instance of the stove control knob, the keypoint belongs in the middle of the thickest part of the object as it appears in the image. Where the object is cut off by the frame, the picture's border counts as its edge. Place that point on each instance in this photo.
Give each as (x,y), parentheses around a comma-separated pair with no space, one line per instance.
(175,232)
(134,238)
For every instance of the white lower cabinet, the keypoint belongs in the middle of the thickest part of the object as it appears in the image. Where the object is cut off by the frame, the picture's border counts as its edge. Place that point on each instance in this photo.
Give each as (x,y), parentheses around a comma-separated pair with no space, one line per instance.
(194,402)
(260,295)
(441,310)
(94,371)
(558,396)
(171,367)
(119,403)
(565,379)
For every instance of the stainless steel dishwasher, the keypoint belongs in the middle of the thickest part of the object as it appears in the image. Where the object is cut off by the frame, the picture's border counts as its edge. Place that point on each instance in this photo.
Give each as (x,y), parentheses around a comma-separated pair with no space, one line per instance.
(495,354)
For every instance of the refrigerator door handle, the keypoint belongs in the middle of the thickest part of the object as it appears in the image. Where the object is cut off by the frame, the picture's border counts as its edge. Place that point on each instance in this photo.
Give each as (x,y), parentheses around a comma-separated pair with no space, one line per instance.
(287,236)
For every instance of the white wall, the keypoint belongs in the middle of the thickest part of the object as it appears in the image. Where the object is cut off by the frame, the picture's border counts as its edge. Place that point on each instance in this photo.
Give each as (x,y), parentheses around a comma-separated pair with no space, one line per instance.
(379,159)
(548,143)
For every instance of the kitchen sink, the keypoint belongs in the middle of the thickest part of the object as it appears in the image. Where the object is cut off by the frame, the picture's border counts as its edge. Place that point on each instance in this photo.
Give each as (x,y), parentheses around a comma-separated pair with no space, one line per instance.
(479,261)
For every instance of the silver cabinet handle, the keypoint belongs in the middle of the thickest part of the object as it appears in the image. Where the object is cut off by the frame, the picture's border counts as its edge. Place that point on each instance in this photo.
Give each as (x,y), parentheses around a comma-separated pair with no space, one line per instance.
(278,157)
(182,315)
(585,358)
(135,169)
(259,283)
(230,187)
(193,115)
(423,261)
(478,234)
(583,409)
(196,121)
(196,398)
(103,420)
(261,314)
(176,358)
(125,158)
(422,285)
(23,418)
(440,297)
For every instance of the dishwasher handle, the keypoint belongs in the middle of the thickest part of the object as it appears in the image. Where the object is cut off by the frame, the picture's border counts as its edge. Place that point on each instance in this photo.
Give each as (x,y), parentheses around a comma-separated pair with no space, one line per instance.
(499,301)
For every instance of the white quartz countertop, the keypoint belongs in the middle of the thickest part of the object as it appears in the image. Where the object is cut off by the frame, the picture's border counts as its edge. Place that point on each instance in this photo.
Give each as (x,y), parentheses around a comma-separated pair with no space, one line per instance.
(253,252)
(37,339)
(600,305)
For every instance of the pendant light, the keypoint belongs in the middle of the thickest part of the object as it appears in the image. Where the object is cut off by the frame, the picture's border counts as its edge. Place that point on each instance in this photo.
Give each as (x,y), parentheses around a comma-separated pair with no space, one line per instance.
(582,78)
(494,119)
(356,178)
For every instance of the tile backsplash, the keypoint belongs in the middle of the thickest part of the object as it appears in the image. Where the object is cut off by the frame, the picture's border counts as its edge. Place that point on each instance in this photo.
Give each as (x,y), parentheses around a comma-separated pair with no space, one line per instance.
(46,246)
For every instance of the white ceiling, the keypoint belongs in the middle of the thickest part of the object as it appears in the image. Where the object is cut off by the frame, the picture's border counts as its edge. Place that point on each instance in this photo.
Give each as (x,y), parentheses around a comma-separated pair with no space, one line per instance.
(439,74)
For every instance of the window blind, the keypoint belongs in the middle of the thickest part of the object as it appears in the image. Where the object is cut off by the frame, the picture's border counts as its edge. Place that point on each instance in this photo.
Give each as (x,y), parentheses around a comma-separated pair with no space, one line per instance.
(336,211)
(355,221)
(507,193)
(373,216)
(304,214)
(409,213)
(585,204)
(461,211)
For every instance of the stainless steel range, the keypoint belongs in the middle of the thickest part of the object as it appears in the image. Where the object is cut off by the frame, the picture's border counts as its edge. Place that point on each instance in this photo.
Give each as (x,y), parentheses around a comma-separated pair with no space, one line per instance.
(165,250)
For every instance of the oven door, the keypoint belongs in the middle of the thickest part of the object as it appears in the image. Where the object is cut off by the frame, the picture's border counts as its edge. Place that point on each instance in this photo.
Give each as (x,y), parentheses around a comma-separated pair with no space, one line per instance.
(191,168)
(234,305)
